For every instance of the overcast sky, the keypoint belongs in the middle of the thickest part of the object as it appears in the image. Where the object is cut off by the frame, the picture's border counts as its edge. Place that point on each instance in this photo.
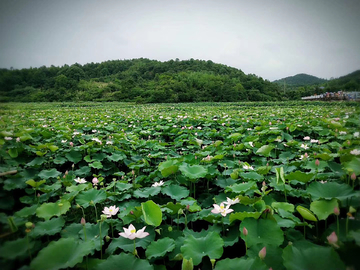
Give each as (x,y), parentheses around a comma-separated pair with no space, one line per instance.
(270,38)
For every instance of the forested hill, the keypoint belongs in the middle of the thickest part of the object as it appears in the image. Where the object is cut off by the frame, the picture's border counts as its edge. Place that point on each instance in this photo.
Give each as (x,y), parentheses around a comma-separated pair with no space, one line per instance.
(140,80)
(300,80)
(350,82)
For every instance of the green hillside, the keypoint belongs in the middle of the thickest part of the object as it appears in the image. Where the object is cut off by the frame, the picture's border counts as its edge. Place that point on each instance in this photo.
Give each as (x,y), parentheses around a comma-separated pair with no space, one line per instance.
(141,80)
(300,80)
(350,82)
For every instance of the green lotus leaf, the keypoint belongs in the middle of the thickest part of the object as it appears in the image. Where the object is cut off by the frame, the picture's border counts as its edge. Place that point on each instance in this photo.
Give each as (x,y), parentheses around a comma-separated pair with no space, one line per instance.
(306,213)
(13,152)
(298,257)
(262,231)
(273,257)
(196,248)
(330,190)
(48,210)
(123,186)
(116,157)
(265,150)
(300,176)
(243,215)
(92,233)
(128,245)
(175,192)
(85,197)
(27,211)
(36,161)
(124,261)
(83,171)
(59,160)
(74,156)
(322,208)
(146,192)
(241,264)
(64,253)
(352,166)
(283,205)
(152,213)
(193,172)
(13,249)
(280,177)
(252,176)
(96,165)
(193,206)
(46,174)
(35,184)
(160,247)
(49,227)
(168,167)
(241,188)
(53,148)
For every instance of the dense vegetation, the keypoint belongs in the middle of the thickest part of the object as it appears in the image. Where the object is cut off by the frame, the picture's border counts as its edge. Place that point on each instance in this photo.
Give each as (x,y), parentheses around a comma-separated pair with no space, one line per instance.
(350,82)
(218,186)
(140,80)
(300,80)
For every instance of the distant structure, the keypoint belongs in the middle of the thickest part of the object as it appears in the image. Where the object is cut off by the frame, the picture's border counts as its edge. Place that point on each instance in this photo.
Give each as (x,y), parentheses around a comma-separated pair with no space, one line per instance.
(335,96)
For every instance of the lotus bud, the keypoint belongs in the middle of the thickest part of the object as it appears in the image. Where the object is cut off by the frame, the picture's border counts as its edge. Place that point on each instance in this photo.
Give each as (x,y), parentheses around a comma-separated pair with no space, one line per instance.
(133,172)
(103,218)
(29,225)
(353,176)
(213,263)
(132,212)
(187,207)
(38,195)
(245,231)
(67,172)
(91,202)
(263,184)
(267,164)
(306,155)
(262,253)
(107,238)
(71,144)
(187,264)
(336,211)
(348,142)
(78,206)
(333,239)
(317,162)
(73,165)
(82,222)
(180,212)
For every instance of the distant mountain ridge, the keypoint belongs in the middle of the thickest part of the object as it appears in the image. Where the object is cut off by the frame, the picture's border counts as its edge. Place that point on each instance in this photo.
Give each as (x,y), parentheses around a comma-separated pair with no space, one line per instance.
(301,79)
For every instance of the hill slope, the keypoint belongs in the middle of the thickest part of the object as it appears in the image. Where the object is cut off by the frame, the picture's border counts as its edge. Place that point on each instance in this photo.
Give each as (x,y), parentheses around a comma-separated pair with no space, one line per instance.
(301,79)
(140,80)
(349,82)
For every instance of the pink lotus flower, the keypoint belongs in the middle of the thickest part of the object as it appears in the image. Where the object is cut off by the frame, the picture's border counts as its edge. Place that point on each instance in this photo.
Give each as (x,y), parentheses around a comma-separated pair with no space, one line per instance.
(131,232)
(110,211)
(95,181)
(221,209)
(333,239)
(262,253)
(317,162)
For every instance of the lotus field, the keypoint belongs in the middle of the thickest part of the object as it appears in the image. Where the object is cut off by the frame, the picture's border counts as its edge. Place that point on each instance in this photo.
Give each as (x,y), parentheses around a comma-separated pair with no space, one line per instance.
(180,186)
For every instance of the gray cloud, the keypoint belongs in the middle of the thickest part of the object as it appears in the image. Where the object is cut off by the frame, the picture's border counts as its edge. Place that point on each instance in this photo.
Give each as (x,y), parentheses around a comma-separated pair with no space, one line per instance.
(271,39)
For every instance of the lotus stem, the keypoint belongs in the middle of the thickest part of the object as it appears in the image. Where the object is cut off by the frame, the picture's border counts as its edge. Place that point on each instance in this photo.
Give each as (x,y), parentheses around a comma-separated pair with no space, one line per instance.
(96,215)
(337,224)
(112,228)
(100,240)
(28,246)
(347,226)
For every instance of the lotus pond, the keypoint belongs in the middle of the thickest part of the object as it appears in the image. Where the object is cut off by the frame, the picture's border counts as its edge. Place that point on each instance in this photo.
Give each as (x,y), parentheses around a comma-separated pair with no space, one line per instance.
(180,186)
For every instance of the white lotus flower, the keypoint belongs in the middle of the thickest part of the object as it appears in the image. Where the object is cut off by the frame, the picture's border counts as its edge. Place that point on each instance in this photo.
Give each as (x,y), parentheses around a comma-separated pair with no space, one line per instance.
(158,184)
(110,211)
(355,152)
(80,180)
(131,232)
(248,167)
(357,134)
(307,138)
(304,146)
(221,209)
(314,141)
(231,202)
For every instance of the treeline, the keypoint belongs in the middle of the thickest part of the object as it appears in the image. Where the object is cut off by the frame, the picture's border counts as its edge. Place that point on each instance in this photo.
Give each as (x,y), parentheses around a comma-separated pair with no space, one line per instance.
(140,80)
